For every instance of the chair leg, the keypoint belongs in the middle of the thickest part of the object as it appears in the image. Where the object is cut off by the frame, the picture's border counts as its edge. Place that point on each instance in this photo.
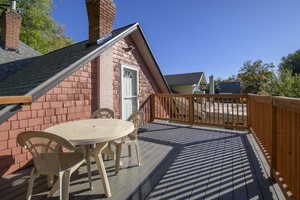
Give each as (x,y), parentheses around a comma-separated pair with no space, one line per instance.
(54,189)
(113,155)
(66,185)
(118,157)
(50,179)
(129,150)
(88,164)
(30,185)
(137,153)
(61,179)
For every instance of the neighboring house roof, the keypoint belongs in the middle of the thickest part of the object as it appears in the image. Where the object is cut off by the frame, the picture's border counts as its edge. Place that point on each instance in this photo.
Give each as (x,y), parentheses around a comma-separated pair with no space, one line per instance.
(183,79)
(39,74)
(230,87)
(10,61)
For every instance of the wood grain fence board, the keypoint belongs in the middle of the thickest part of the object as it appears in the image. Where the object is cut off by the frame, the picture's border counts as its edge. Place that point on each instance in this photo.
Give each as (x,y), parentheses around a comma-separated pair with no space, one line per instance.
(281,140)
(203,109)
(15,100)
(275,122)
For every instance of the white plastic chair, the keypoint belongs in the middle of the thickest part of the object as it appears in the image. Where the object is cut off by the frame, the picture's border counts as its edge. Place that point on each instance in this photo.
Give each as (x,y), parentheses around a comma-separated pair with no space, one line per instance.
(105,113)
(138,119)
(49,159)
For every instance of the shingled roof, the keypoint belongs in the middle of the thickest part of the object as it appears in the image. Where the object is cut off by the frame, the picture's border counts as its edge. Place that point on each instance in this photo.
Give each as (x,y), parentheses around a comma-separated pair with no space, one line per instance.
(183,79)
(36,75)
(233,87)
(10,61)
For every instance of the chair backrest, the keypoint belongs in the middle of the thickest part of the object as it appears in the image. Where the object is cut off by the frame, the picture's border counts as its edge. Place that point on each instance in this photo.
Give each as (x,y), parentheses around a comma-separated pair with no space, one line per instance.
(103,113)
(137,118)
(46,149)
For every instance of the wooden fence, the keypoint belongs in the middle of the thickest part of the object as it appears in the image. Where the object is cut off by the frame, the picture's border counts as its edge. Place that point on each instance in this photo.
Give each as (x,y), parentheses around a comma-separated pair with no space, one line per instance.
(146,108)
(275,121)
(201,109)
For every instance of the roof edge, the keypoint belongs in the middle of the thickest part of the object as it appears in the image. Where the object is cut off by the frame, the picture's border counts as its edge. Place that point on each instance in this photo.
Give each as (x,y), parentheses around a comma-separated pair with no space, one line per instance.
(153,57)
(50,83)
(40,90)
(44,87)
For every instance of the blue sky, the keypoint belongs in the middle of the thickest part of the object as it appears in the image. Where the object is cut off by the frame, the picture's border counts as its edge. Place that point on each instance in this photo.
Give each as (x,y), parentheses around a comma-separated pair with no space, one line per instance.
(214,36)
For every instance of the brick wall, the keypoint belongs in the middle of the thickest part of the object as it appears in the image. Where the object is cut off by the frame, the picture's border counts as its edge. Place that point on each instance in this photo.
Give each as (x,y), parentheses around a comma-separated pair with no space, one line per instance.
(147,84)
(70,100)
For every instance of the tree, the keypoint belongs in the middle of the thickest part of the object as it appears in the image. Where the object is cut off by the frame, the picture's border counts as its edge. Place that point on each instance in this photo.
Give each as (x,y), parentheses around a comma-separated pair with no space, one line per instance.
(284,83)
(253,75)
(291,62)
(39,29)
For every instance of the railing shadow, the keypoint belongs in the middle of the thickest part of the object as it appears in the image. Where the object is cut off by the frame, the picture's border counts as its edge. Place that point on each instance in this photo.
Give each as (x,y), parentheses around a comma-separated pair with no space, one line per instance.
(210,168)
(201,164)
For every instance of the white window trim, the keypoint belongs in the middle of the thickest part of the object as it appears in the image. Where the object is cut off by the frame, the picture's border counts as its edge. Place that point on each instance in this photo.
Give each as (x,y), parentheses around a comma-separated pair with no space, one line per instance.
(135,68)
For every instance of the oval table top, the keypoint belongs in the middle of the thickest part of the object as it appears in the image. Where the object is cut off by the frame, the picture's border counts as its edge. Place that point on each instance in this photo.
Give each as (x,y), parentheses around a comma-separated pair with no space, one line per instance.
(92,131)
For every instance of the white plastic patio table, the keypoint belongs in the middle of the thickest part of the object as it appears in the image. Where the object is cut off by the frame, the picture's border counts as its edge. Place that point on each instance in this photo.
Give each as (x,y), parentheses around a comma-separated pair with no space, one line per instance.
(89,132)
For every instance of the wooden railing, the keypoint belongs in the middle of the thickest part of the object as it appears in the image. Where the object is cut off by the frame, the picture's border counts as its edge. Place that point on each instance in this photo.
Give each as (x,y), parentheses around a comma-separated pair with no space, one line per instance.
(275,121)
(146,108)
(15,99)
(202,109)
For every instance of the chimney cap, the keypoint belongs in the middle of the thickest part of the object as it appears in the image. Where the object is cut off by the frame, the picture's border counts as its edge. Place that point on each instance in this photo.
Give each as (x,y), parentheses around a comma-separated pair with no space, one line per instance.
(14,5)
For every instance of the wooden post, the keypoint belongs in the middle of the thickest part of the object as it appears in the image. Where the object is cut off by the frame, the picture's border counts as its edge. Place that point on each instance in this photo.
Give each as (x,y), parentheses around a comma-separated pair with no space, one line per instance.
(152,107)
(191,109)
(273,167)
(248,111)
(172,108)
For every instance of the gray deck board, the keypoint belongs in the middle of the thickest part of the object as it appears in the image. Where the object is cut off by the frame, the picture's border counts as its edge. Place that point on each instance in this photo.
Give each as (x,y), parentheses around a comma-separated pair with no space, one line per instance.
(178,162)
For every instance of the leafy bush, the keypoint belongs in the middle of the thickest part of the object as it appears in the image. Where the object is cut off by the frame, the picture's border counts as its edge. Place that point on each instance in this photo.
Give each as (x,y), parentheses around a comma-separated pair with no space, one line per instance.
(282,83)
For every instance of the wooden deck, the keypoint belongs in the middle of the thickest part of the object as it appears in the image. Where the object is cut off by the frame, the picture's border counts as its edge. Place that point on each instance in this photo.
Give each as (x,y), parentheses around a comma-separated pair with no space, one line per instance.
(178,162)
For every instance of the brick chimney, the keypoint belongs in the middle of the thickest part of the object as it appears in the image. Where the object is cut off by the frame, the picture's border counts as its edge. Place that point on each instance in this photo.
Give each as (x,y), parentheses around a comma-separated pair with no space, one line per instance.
(101,15)
(10,28)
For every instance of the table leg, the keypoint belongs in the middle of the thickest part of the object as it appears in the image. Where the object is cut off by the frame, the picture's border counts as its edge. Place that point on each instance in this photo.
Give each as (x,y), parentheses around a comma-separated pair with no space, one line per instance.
(88,163)
(97,154)
(118,157)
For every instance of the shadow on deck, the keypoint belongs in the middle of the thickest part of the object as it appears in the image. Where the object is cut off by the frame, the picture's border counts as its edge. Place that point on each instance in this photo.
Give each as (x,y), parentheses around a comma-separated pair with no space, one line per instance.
(178,162)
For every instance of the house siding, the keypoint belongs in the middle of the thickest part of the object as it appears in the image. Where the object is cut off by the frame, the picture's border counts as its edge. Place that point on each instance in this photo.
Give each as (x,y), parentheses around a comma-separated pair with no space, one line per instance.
(70,100)
(183,89)
(147,84)
(73,99)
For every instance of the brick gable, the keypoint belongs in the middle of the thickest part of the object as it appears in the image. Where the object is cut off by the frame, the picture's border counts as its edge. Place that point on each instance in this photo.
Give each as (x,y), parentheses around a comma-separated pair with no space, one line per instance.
(73,99)
(70,100)
(121,56)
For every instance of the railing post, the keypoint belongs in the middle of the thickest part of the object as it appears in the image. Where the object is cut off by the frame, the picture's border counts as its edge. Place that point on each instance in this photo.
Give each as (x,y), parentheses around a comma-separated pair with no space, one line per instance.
(172,108)
(191,109)
(273,167)
(152,107)
(248,111)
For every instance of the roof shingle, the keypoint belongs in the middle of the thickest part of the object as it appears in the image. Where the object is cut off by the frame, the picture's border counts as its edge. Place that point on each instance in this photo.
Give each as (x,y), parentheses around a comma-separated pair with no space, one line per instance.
(31,72)
(183,79)
(11,61)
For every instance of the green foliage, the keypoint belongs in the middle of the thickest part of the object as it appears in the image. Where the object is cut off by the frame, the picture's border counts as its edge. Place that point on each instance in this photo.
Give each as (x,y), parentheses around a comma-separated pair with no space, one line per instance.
(284,83)
(39,29)
(291,62)
(253,75)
